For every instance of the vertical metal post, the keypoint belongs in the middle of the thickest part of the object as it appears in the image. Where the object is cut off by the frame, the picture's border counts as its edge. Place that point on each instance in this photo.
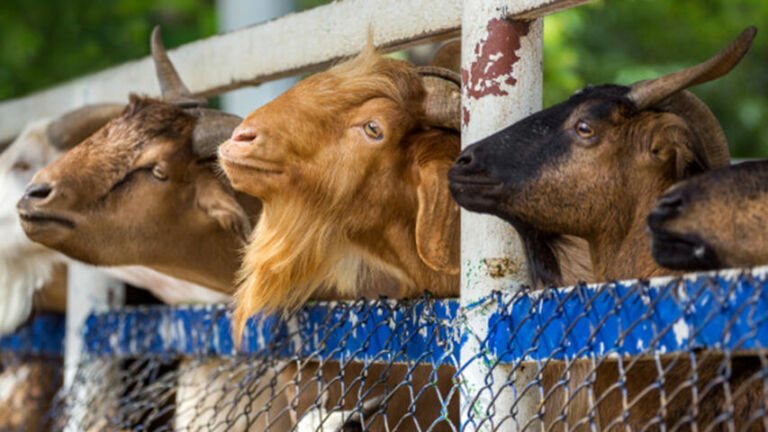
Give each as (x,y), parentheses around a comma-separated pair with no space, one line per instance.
(87,290)
(501,83)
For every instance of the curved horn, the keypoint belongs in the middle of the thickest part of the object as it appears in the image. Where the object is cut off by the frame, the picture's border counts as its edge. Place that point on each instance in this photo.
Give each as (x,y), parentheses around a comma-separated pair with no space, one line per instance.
(212,128)
(442,103)
(647,93)
(68,130)
(703,121)
(448,56)
(171,86)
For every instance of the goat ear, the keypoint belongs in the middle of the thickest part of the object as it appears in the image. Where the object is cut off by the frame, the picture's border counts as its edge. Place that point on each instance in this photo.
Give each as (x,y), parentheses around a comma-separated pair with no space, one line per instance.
(675,144)
(437,221)
(220,204)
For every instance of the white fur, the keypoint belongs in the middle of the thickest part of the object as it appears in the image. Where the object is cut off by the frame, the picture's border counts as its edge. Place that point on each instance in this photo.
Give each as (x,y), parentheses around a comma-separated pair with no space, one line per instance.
(13,378)
(312,421)
(24,266)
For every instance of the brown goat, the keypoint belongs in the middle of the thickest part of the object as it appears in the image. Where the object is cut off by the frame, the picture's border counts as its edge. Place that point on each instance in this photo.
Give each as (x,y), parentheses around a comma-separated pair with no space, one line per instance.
(148,182)
(145,190)
(593,166)
(351,171)
(714,220)
(350,165)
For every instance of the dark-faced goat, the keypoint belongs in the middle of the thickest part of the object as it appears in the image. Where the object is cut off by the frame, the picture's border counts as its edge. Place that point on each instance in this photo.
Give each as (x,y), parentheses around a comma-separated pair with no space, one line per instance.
(593,166)
(715,220)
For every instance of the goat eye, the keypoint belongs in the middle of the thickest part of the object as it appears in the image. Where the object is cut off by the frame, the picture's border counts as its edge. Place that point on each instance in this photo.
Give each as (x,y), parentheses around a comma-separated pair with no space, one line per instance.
(20,166)
(584,130)
(159,173)
(373,130)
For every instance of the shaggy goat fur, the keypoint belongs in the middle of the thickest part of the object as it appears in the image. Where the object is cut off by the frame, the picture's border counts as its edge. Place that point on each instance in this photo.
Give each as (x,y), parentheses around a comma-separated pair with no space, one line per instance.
(350,210)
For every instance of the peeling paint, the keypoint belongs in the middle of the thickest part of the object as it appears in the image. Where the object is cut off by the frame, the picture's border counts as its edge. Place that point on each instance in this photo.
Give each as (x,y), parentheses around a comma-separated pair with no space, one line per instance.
(495,58)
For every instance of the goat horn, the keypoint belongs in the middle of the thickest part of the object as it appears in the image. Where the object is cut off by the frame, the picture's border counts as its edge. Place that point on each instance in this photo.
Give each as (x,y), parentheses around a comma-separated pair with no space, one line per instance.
(703,121)
(171,86)
(448,56)
(77,125)
(442,104)
(212,128)
(648,93)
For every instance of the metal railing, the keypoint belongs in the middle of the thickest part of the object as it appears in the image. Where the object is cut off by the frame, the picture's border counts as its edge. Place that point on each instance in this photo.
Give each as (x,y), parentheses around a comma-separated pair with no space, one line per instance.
(499,337)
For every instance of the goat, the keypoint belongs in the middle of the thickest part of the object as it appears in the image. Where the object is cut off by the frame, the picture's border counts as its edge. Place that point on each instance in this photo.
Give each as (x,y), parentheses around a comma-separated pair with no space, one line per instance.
(592,167)
(714,220)
(33,276)
(155,161)
(350,166)
(25,266)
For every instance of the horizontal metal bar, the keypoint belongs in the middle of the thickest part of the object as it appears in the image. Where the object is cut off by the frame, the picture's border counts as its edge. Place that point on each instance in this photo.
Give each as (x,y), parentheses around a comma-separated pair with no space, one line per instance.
(724,311)
(294,44)
(42,336)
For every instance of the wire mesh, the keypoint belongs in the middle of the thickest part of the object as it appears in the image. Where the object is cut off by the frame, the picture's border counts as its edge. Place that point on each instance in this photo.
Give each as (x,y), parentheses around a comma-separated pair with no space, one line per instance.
(30,374)
(677,354)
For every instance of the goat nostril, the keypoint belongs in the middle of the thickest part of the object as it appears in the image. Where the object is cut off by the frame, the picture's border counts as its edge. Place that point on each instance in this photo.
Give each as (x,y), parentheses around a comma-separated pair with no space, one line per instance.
(38,191)
(244,135)
(670,202)
(464,159)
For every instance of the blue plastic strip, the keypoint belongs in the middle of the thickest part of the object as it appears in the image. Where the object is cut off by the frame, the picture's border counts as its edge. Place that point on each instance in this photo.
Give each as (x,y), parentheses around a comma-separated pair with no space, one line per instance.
(630,318)
(373,330)
(42,336)
(622,318)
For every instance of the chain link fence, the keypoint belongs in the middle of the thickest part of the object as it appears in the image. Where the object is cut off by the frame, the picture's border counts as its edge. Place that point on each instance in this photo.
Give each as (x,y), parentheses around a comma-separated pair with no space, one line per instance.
(675,354)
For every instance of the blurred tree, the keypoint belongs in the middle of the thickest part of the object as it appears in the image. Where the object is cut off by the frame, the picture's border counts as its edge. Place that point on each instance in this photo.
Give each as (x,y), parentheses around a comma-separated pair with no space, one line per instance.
(629,40)
(43,42)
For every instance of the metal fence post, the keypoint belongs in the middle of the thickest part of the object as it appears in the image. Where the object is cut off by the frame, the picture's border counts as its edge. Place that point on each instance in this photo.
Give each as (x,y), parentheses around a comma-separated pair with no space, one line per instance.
(88,289)
(501,83)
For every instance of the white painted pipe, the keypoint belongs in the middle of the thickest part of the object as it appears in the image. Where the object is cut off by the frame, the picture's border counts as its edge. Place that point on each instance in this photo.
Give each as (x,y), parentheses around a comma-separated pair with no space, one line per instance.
(88,289)
(238,14)
(502,83)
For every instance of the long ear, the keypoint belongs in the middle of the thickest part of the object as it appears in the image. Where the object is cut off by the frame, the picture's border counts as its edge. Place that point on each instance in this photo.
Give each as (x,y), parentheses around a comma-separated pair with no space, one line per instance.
(437,221)
(215,200)
(68,130)
(449,56)
(674,142)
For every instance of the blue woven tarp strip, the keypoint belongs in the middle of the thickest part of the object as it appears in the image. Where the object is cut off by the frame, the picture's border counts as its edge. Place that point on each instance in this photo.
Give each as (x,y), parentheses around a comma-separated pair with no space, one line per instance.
(623,318)
(42,336)
(720,312)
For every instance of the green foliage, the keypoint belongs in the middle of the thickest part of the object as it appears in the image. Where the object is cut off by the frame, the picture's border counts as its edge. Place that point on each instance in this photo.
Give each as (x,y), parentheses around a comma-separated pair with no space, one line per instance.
(44,42)
(629,40)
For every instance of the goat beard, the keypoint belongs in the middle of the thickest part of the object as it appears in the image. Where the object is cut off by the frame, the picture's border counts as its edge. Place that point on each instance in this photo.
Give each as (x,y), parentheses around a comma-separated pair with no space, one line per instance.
(294,255)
